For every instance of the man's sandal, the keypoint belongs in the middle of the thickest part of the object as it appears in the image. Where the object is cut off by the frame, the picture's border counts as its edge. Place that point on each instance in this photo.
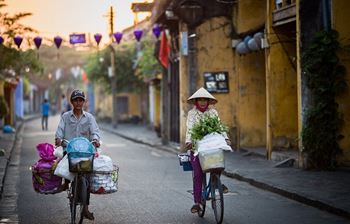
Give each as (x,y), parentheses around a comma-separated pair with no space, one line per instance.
(89,215)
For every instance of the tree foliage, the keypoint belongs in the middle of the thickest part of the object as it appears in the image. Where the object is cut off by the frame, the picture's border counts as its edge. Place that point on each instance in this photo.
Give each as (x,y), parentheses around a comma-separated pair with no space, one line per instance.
(148,65)
(325,77)
(10,58)
(98,63)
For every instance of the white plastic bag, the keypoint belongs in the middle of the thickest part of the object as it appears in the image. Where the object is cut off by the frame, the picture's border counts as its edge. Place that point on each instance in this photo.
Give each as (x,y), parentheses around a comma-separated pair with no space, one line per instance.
(103,163)
(62,169)
(58,152)
(213,141)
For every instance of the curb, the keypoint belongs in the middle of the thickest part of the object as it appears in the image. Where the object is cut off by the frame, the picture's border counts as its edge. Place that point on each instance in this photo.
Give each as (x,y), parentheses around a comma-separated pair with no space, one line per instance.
(19,130)
(290,195)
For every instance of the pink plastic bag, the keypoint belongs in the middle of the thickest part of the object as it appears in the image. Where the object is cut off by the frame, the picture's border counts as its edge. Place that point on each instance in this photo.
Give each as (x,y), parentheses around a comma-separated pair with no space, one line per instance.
(45,151)
(44,181)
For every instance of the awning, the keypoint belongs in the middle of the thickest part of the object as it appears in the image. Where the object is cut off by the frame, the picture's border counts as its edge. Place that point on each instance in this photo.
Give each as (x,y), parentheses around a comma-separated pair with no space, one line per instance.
(158,11)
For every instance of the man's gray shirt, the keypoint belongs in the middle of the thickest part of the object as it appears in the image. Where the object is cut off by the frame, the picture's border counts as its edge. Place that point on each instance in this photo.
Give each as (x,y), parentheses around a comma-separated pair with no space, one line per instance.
(71,127)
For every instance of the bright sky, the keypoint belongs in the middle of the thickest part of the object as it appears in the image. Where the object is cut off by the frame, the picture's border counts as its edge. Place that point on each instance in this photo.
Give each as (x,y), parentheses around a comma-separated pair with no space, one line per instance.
(62,17)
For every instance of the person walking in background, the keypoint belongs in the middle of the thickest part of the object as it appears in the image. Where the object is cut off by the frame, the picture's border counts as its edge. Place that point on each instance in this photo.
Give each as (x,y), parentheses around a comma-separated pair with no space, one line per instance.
(45,109)
(64,104)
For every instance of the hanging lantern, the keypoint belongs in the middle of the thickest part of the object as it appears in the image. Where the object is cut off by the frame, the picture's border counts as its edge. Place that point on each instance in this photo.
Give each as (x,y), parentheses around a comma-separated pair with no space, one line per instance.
(253,45)
(98,38)
(58,41)
(1,40)
(242,48)
(118,36)
(138,34)
(156,31)
(37,42)
(18,40)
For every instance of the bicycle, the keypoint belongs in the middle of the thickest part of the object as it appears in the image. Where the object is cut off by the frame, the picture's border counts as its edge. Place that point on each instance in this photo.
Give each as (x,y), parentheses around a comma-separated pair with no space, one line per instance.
(78,196)
(80,186)
(212,190)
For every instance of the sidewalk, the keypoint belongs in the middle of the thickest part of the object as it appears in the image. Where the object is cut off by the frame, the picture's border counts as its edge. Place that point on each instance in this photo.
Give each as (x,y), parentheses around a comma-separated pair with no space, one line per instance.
(7,142)
(328,191)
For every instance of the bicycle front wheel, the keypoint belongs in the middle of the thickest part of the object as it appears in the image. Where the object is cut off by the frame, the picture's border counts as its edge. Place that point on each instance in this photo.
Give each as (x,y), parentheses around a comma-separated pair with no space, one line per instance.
(73,200)
(83,196)
(217,198)
(204,196)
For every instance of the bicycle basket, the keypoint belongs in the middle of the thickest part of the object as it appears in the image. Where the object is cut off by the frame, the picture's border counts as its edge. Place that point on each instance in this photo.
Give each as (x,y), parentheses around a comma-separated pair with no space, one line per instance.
(80,144)
(185,161)
(80,162)
(104,182)
(212,159)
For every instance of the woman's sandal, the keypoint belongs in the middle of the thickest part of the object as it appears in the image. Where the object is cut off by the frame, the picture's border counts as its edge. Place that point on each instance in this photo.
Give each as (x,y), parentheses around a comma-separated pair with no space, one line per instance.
(195,208)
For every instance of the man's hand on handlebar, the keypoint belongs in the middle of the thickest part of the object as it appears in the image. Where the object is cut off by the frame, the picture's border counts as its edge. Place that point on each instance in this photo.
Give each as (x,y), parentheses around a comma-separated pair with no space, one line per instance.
(96,143)
(58,142)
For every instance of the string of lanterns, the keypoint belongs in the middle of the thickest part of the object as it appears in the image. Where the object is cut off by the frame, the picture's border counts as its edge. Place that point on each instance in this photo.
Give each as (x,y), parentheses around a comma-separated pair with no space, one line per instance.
(58,40)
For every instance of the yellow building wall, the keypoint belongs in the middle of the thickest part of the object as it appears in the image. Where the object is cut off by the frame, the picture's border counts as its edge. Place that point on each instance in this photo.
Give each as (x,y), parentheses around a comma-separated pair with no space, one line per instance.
(157,99)
(184,94)
(252,99)
(103,103)
(250,15)
(282,87)
(251,78)
(340,18)
(283,98)
(133,104)
(214,53)
(2,87)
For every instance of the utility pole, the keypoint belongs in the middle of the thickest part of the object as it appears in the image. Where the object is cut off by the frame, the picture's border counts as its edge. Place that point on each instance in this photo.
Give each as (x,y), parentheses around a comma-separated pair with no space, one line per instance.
(113,75)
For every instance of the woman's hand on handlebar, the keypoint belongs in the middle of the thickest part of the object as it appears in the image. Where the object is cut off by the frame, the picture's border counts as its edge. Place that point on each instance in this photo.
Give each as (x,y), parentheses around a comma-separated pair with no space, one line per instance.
(188,145)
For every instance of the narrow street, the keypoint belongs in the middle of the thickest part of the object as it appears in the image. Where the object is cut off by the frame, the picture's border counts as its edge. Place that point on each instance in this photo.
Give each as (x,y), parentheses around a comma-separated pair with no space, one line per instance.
(152,189)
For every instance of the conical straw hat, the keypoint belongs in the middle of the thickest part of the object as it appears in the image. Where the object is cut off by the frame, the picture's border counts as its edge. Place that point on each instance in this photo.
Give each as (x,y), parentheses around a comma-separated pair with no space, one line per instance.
(202,93)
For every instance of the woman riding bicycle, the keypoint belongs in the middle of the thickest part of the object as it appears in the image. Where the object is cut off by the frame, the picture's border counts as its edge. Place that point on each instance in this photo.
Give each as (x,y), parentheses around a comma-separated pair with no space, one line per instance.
(201,100)
(78,123)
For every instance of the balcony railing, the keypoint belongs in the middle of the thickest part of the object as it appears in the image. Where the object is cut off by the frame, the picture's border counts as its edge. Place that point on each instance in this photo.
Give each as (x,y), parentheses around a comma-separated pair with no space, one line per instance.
(285,12)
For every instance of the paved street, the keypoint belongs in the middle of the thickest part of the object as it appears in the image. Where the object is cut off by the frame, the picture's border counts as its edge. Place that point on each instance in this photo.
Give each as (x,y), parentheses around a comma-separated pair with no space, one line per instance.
(153,189)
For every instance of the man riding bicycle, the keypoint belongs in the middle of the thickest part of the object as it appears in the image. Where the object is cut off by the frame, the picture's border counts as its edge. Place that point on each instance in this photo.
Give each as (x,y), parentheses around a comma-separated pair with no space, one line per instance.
(78,123)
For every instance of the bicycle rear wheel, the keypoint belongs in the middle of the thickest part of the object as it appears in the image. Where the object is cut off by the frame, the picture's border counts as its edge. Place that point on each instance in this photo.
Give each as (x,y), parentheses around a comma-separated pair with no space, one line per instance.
(204,196)
(217,197)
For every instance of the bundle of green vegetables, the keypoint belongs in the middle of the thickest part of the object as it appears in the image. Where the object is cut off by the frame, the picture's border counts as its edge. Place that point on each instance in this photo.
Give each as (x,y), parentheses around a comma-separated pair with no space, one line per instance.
(206,125)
